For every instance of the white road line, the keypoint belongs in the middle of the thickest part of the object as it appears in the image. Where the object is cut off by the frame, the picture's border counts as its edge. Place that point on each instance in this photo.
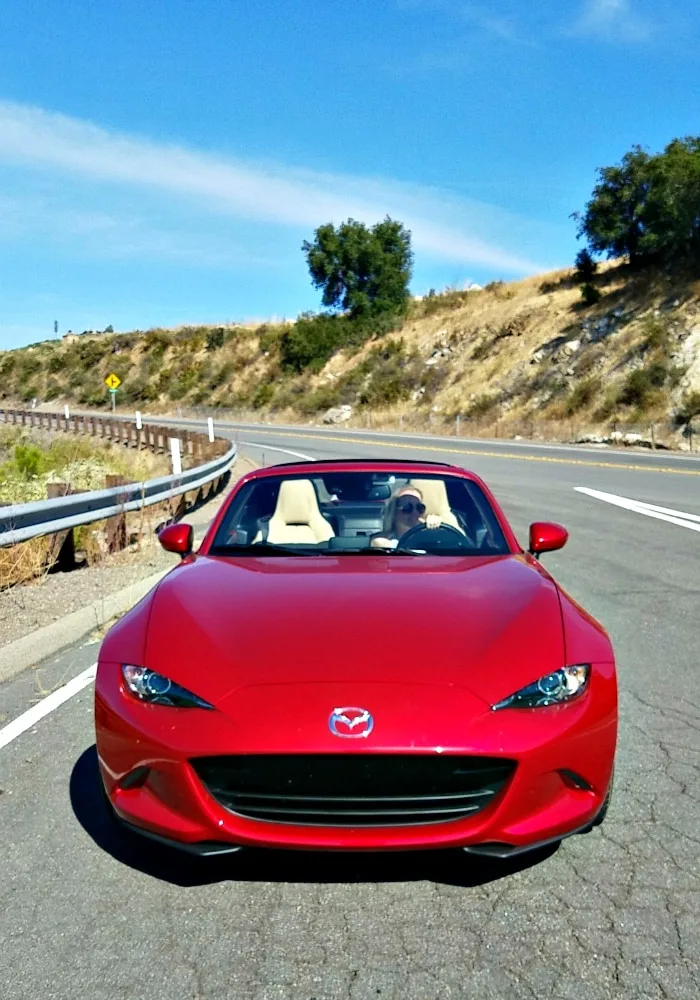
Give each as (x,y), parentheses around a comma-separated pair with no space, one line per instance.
(679,517)
(285,451)
(52,701)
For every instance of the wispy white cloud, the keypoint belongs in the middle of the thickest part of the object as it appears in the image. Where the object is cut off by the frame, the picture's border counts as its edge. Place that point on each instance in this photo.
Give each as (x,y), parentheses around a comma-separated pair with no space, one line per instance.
(101,234)
(500,26)
(444,227)
(613,20)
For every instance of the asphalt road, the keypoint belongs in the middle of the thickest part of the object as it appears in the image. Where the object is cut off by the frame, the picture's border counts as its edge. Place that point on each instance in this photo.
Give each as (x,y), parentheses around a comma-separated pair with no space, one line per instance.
(612,914)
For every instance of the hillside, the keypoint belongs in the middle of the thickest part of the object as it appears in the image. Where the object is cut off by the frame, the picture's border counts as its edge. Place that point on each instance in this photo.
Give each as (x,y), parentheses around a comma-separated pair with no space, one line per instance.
(525,358)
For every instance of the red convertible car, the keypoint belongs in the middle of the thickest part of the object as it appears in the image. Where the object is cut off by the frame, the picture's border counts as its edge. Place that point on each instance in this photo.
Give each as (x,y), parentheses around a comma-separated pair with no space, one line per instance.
(359,655)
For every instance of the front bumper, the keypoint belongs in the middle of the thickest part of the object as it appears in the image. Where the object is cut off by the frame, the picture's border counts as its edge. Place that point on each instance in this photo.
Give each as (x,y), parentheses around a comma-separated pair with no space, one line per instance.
(564,758)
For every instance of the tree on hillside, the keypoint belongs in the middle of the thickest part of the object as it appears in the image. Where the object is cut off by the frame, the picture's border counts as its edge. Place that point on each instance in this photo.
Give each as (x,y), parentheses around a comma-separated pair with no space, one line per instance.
(674,204)
(648,207)
(614,220)
(362,271)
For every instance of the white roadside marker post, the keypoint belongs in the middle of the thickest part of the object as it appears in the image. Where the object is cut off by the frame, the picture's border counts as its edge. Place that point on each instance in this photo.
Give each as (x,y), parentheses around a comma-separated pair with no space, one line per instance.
(139,422)
(210,425)
(175,455)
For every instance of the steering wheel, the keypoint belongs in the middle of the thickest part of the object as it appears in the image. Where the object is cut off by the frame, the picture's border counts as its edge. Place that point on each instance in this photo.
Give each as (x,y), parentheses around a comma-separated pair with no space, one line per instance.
(431,539)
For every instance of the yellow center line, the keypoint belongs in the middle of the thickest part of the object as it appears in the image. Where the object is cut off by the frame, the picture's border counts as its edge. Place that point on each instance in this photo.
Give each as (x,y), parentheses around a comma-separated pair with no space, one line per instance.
(487,454)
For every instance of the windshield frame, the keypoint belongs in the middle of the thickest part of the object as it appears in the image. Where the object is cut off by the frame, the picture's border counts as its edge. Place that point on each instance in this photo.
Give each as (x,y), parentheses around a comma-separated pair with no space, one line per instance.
(216,545)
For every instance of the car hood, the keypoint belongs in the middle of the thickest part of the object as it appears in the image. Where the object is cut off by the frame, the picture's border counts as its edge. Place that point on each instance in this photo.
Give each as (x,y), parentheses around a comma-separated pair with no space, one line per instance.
(487,626)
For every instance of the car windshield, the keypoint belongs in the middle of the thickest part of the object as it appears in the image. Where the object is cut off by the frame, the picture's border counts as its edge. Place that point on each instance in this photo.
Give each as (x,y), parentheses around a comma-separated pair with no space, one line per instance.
(352,513)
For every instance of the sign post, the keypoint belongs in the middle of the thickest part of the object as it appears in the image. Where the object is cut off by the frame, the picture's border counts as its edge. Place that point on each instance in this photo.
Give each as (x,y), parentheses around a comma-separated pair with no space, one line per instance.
(210,426)
(113,382)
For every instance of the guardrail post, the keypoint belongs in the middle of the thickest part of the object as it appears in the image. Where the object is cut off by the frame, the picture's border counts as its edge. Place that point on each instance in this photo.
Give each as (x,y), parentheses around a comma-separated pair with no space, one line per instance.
(115,529)
(62,545)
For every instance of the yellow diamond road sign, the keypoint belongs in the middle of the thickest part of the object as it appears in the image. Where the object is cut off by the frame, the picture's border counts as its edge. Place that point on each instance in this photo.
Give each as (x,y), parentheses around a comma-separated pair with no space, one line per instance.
(113,381)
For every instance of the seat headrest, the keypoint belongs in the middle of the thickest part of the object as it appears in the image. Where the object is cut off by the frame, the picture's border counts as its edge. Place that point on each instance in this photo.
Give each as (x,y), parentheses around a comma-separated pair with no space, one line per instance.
(297,503)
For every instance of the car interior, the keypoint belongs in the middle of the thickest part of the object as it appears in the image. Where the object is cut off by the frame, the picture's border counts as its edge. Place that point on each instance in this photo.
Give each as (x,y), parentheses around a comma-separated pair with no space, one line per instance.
(344,511)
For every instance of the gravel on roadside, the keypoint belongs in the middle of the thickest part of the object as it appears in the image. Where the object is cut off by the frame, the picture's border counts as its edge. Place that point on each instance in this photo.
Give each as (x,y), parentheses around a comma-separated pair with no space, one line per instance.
(23,609)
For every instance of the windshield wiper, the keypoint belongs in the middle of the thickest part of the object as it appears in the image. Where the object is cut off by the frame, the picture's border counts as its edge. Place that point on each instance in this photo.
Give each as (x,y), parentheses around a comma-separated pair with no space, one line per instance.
(259,549)
(374,550)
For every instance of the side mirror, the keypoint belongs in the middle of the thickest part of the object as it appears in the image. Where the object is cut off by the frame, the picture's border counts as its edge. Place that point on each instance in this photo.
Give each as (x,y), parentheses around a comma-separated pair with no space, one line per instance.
(177,538)
(546,536)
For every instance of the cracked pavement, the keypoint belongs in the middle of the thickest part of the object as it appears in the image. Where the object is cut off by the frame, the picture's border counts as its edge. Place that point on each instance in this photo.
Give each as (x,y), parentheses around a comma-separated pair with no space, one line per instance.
(612,914)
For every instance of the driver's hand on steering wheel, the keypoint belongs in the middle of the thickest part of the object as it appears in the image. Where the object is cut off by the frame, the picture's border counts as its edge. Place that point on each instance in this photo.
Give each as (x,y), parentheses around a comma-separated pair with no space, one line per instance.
(432,521)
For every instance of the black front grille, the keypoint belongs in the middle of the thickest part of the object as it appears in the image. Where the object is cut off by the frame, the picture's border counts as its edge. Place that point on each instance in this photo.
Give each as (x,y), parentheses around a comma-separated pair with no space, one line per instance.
(354,789)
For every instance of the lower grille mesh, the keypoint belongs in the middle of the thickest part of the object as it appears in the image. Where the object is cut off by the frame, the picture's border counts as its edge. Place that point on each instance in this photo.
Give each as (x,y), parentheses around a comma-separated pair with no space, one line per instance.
(354,789)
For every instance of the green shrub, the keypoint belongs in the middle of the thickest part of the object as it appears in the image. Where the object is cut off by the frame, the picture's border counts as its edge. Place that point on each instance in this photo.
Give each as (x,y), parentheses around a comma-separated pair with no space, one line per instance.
(157,341)
(483,349)
(688,410)
(56,363)
(641,384)
(482,405)
(586,267)
(270,337)
(312,341)
(88,353)
(163,381)
(582,395)
(27,391)
(657,334)
(221,376)
(7,364)
(262,396)
(29,460)
(177,388)
(433,303)
(607,407)
(215,339)
(319,399)
(590,295)
(390,374)
(29,365)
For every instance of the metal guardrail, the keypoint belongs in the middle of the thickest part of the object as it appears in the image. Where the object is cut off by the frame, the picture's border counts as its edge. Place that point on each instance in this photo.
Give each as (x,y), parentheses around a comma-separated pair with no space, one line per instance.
(20,522)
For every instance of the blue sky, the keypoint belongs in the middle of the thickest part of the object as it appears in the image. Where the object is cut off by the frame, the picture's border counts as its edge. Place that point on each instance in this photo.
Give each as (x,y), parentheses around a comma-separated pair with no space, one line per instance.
(161,161)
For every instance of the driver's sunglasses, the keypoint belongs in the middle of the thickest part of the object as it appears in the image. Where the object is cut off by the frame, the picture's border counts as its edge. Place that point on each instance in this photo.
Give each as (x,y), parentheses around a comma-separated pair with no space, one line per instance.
(408,508)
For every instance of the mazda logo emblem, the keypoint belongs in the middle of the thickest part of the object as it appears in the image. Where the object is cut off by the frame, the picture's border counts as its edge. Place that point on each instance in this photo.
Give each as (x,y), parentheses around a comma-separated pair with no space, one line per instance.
(351,723)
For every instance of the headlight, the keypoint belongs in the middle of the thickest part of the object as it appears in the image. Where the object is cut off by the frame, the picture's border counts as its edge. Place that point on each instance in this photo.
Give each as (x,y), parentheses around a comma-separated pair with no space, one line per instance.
(149,686)
(563,685)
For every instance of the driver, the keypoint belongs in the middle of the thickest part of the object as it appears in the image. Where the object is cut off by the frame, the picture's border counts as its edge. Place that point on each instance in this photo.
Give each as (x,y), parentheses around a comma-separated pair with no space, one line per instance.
(403,511)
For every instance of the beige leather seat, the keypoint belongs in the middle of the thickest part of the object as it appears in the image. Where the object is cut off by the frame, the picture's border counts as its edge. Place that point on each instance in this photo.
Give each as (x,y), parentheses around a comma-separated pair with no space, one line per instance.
(297,517)
(435,499)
